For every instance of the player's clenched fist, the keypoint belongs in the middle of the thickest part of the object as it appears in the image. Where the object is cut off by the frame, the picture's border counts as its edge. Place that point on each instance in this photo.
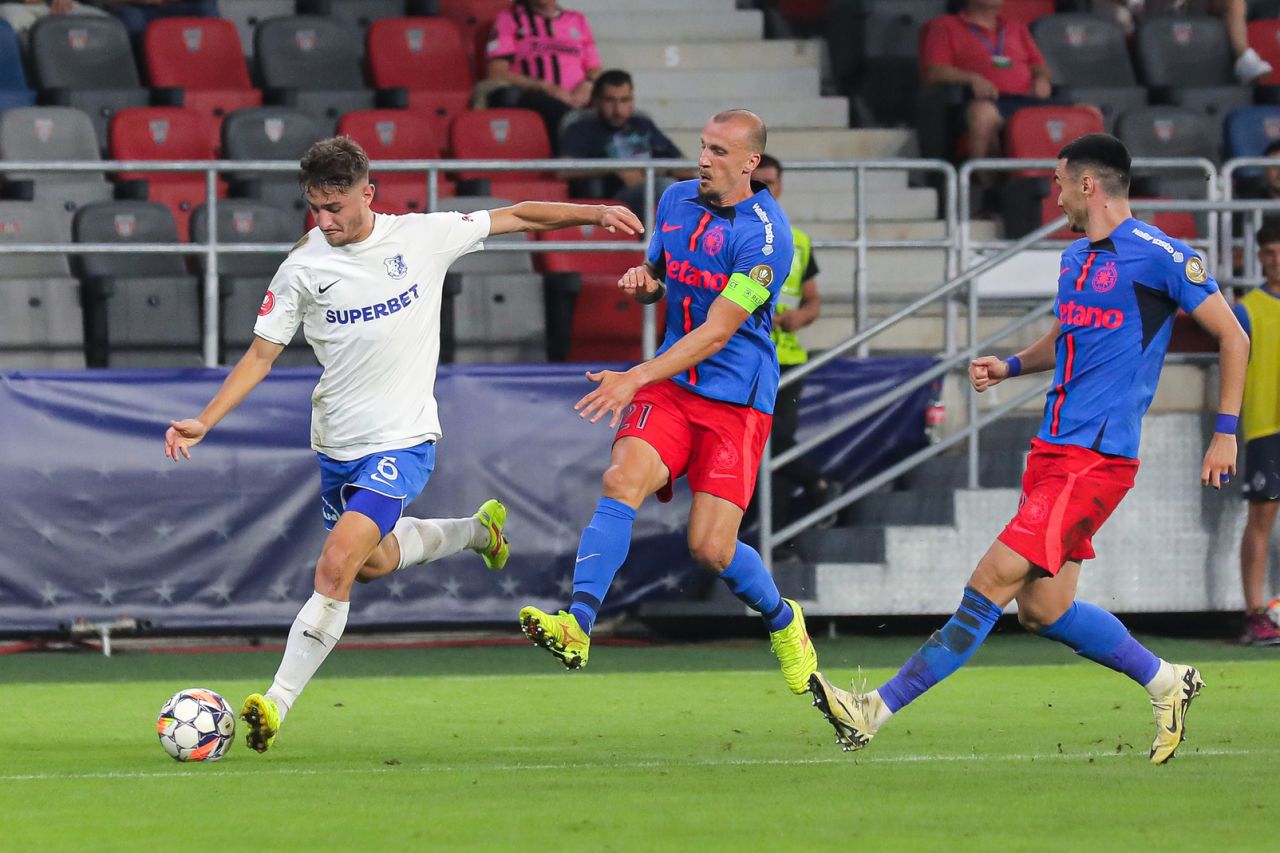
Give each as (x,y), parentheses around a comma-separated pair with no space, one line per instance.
(181,436)
(637,282)
(617,218)
(987,371)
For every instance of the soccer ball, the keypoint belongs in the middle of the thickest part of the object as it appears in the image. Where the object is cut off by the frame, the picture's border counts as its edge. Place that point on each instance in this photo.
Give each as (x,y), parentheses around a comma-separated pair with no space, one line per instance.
(1273,612)
(196,725)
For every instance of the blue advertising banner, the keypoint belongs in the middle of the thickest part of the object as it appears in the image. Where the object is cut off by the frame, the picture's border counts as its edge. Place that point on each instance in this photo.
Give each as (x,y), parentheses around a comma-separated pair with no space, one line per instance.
(96,523)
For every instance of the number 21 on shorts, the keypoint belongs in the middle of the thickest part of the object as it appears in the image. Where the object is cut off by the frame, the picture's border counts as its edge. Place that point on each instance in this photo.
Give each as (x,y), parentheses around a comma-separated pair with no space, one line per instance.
(645,408)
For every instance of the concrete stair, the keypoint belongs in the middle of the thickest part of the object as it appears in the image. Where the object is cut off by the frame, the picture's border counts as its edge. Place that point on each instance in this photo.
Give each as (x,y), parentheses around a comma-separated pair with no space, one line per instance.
(651,25)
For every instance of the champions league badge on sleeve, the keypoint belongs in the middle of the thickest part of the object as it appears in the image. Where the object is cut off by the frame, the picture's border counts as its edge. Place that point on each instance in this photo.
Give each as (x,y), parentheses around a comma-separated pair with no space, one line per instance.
(396,267)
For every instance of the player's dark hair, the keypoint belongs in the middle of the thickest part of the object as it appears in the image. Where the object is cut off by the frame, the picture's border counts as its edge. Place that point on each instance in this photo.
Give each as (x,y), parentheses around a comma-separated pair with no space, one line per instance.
(768,161)
(612,77)
(1103,153)
(1269,232)
(334,164)
(759,135)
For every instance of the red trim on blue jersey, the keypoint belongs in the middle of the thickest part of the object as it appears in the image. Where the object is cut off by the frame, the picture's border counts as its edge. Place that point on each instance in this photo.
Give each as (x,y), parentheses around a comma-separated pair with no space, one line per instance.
(697,232)
(1084,270)
(688,320)
(1061,390)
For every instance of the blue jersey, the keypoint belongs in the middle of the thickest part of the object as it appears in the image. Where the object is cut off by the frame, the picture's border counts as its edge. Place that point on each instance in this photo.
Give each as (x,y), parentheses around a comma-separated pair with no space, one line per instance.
(702,250)
(1116,302)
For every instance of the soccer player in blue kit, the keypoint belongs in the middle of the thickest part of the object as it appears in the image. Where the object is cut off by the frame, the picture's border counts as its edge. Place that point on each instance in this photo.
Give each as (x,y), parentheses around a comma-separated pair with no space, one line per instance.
(703,406)
(1118,291)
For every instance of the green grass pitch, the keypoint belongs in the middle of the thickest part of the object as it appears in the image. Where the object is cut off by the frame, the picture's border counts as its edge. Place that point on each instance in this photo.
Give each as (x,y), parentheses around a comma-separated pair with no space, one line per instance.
(682,747)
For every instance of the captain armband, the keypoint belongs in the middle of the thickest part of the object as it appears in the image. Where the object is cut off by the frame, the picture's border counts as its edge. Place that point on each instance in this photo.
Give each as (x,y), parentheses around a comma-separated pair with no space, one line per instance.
(746,292)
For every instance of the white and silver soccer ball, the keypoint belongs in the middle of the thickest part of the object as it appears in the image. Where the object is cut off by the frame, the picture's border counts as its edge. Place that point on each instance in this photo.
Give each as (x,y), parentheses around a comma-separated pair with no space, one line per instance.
(196,725)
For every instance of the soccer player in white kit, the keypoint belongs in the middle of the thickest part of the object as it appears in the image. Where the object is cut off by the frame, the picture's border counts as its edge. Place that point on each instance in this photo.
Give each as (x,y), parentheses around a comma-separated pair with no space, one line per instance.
(366,290)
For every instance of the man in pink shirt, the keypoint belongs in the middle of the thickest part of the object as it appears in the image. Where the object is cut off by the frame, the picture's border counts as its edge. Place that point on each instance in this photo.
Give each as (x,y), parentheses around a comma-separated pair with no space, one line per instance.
(547,57)
(996,58)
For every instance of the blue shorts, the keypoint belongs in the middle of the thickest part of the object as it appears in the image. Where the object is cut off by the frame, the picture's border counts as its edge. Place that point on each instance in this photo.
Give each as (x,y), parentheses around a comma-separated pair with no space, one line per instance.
(399,476)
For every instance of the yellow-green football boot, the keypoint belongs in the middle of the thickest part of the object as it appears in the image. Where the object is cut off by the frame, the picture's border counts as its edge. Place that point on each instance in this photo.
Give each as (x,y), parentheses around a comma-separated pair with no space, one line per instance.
(493,515)
(1171,712)
(263,719)
(560,634)
(795,651)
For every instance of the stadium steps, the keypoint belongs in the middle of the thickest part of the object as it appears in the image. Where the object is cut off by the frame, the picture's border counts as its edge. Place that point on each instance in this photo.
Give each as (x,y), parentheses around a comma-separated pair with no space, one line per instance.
(690,55)
(687,22)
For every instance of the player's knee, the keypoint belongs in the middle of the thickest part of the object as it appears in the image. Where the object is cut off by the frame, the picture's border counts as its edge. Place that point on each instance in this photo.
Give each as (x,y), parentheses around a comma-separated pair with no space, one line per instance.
(621,484)
(333,570)
(711,555)
(1033,620)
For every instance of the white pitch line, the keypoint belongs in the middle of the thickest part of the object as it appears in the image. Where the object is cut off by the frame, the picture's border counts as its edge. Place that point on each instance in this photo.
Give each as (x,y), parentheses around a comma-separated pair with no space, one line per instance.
(618,765)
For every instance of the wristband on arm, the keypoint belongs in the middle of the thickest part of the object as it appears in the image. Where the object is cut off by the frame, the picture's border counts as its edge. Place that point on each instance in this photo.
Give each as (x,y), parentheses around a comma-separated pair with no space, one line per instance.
(1226,424)
(655,296)
(1014,364)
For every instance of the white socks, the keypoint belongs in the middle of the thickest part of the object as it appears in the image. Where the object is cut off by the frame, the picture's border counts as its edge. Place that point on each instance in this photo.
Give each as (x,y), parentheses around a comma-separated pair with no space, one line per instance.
(425,539)
(316,630)
(1164,681)
(879,711)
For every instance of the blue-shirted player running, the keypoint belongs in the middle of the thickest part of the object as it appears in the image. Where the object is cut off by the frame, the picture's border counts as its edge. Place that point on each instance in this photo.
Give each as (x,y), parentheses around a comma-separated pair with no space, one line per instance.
(1118,291)
(703,406)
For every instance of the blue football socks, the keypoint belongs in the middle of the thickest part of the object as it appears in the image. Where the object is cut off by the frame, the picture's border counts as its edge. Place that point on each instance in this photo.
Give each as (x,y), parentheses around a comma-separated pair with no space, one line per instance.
(1096,634)
(750,581)
(601,552)
(945,652)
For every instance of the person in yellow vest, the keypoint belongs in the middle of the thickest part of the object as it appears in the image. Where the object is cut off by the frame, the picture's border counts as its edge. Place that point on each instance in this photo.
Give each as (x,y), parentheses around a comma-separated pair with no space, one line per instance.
(1259,314)
(797,306)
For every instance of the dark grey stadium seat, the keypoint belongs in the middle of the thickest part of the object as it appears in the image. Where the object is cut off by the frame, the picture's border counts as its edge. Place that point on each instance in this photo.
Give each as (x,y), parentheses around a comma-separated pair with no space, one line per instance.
(499,318)
(141,310)
(354,15)
(1170,132)
(1088,57)
(247,14)
(269,133)
(41,325)
(312,63)
(1187,62)
(86,62)
(243,279)
(51,134)
(489,262)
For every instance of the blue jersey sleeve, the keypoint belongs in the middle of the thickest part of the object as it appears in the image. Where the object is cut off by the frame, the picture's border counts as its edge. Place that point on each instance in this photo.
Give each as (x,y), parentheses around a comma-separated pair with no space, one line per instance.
(1185,276)
(762,254)
(1242,315)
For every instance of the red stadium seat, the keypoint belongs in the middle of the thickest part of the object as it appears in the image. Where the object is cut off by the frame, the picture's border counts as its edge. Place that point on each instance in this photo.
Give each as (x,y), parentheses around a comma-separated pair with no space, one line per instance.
(1027,11)
(475,20)
(804,10)
(506,134)
(419,54)
(396,135)
(1264,37)
(203,57)
(1050,211)
(1038,133)
(165,133)
(440,108)
(588,263)
(607,323)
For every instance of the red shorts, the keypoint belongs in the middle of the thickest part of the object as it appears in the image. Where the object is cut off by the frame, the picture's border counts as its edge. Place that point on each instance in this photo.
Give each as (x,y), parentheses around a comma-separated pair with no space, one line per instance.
(1067,493)
(717,445)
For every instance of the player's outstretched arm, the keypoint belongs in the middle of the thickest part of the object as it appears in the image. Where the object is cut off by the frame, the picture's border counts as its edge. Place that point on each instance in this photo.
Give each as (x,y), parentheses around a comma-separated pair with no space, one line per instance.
(641,284)
(989,370)
(549,215)
(1216,317)
(252,368)
(616,389)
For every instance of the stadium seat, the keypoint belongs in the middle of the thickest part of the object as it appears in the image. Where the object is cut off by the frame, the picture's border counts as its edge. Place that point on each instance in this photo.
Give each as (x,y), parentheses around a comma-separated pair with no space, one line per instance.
(1264,37)
(166,133)
(41,325)
(884,76)
(52,134)
(313,64)
(1187,62)
(490,262)
(1089,60)
(247,14)
(269,133)
(475,20)
(420,55)
(1170,132)
(14,91)
(604,263)
(607,324)
(1038,133)
(439,108)
(396,135)
(354,15)
(243,278)
(86,62)
(498,318)
(141,310)
(1027,11)
(1250,130)
(203,58)
(506,134)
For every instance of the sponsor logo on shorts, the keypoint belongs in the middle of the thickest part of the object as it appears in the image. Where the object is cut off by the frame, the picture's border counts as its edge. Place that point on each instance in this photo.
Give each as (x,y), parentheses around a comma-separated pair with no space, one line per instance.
(726,456)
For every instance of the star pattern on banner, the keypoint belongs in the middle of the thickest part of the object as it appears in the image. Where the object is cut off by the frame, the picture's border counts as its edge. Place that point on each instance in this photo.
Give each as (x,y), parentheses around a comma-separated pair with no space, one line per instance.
(671,580)
(565,585)
(49,594)
(221,591)
(164,530)
(279,590)
(164,591)
(396,588)
(107,592)
(47,532)
(104,529)
(452,587)
(509,585)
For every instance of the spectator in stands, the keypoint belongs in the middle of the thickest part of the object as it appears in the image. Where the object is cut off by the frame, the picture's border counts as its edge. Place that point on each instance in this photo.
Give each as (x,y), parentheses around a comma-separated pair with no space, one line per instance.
(1268,186)
(1249,68)
(1259,314)
(546,57)
(995,58)
(136,14)
(798,306)
(612,130)
(22,15)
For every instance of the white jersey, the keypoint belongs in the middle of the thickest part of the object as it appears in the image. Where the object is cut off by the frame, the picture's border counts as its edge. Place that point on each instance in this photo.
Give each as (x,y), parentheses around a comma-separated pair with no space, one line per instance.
(371,312)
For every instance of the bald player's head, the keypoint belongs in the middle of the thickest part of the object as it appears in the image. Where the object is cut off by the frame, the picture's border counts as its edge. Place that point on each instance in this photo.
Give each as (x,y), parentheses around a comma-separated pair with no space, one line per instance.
(732,142)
